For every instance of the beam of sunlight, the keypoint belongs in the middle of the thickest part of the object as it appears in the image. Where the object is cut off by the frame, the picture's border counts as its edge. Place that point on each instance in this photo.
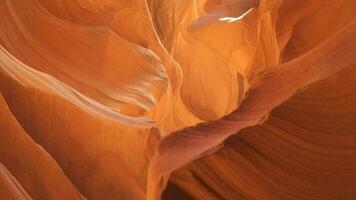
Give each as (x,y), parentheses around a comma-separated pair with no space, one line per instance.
(234,19)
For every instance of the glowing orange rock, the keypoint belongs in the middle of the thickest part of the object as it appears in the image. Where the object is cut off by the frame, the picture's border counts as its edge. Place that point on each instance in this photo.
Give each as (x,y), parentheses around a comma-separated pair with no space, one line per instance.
(105,99)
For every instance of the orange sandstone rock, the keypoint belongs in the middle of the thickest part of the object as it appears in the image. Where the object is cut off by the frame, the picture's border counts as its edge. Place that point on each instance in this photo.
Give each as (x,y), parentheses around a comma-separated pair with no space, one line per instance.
(200,99)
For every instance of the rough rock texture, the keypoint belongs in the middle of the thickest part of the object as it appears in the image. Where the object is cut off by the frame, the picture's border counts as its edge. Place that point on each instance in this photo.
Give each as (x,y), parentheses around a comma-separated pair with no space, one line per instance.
(169,99)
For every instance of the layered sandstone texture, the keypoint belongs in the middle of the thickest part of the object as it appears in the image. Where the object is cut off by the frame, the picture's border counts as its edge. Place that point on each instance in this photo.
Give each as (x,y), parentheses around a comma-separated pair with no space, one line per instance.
(177,99)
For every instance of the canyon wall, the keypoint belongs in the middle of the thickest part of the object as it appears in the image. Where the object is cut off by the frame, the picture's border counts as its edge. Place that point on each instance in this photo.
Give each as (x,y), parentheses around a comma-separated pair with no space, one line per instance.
(167,99)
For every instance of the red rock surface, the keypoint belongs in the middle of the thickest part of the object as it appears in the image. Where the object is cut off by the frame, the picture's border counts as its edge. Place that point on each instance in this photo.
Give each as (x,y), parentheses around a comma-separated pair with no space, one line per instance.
(167,99)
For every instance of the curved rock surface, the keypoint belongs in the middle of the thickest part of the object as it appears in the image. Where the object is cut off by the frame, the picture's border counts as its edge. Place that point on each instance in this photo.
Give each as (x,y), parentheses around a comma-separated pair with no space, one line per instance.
(169,99)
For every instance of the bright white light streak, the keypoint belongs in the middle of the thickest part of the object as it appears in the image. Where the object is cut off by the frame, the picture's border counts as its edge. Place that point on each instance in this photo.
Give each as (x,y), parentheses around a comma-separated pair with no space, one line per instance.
(234,19)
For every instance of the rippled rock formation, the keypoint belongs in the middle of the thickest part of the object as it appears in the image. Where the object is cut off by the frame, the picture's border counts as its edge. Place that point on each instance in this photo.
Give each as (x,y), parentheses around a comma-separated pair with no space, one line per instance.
(167,99)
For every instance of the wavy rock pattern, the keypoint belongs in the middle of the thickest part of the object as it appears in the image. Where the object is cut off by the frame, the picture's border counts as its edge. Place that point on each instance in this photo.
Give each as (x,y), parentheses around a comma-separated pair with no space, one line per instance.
(167,99)
(304,150)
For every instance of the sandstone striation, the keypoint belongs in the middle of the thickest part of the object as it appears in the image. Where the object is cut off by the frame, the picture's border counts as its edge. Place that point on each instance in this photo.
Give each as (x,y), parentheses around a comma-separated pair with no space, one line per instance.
(169,99)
